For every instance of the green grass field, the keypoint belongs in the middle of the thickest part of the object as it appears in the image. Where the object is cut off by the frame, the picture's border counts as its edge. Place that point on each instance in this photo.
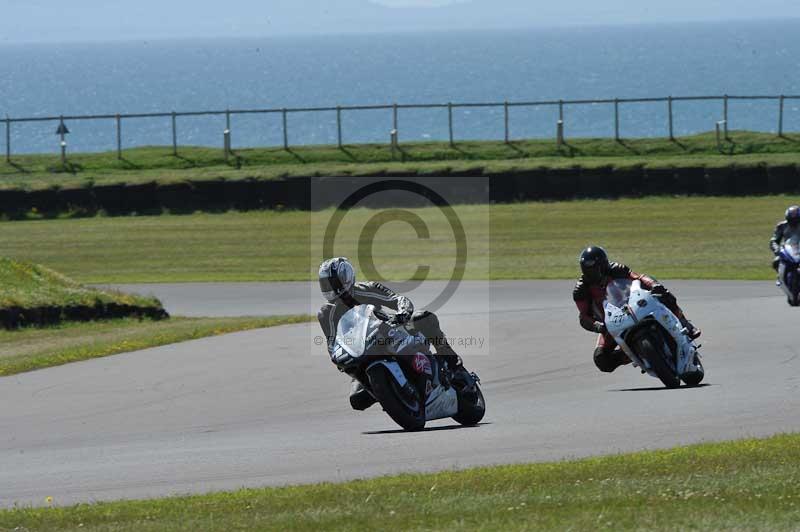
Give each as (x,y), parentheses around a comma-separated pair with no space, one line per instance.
(30,349)
(745,485)
(159,164)
(28,285)
(680,237)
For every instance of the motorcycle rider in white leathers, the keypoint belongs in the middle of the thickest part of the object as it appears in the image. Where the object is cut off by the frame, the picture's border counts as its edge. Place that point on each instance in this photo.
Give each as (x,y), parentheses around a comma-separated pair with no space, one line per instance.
(337,280)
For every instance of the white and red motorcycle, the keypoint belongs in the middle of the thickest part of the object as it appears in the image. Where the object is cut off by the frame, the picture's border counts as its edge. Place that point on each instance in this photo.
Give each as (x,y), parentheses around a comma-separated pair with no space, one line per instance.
(651,335)
(397,367)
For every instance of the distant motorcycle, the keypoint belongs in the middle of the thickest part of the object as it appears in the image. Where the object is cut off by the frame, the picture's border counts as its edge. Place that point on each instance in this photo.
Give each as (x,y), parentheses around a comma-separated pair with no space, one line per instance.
(397,367)
(789,270)
(651,335)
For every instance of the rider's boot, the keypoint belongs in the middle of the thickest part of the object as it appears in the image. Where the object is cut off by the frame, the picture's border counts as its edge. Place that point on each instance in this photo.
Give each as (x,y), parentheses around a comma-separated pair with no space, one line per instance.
(446,354)
(607,361)
(692,331)
(460,374)
(360,399)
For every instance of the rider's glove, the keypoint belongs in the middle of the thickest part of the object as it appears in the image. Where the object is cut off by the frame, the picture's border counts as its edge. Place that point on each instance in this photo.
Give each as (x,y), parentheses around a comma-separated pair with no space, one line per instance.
(600,327)
(401,318)
(659,290)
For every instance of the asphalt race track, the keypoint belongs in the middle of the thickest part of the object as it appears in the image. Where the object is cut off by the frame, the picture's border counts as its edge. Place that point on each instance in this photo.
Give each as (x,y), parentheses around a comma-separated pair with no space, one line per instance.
(267,408)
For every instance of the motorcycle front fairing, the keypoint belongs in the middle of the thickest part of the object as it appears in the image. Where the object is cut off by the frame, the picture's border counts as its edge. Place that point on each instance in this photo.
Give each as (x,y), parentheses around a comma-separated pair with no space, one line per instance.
(628,305)
(361,343)
(619,320)
(355,335)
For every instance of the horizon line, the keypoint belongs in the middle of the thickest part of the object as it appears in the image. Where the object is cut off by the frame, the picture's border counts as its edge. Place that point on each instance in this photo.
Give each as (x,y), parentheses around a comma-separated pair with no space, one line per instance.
(399,31)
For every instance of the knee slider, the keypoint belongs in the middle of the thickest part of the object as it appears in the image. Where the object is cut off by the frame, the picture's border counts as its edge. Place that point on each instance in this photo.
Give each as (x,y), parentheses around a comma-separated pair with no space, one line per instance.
(361,401)
(604,360)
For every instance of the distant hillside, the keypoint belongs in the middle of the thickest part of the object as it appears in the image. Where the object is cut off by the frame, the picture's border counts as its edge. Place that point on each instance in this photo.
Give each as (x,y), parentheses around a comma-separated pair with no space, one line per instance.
(51,20)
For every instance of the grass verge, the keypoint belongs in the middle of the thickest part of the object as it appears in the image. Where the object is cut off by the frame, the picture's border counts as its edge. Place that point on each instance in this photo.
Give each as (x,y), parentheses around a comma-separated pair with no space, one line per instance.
(670,237)
(31,294)
(158,164)
(744,485)
(31,349)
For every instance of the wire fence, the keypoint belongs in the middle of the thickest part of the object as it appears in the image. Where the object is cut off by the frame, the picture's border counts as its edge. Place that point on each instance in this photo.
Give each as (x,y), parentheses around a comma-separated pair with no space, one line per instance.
(393,133)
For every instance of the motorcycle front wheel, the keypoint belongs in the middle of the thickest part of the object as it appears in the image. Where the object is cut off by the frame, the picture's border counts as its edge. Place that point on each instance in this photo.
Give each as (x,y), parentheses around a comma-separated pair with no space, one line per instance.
(793,282)
(655,356)
(694,378)
(406,412)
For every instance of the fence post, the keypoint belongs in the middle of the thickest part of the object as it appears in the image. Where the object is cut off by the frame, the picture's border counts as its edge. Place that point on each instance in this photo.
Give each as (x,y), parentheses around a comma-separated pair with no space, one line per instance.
(285,130)
(616,119)
(780,116)
(174,134)
(725,117)
(339,126)
(119,137)
(450,122)
(560,133)
(227,134)
(560,110)
(8,138)
(62,135)
(671,130)
(226,143)
(395,121)
(505,114)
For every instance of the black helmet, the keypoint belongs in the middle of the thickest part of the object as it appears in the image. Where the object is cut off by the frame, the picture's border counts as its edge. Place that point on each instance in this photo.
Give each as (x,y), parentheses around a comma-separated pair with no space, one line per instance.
(793,215)
(594,264)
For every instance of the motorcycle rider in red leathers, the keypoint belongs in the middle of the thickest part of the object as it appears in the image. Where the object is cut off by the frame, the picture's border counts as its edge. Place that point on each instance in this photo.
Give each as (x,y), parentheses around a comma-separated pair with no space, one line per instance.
(590,292)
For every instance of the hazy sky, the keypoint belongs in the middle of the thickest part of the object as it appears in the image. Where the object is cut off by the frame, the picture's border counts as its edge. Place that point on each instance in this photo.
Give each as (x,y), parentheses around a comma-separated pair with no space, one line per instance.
(415,3)
(97,20)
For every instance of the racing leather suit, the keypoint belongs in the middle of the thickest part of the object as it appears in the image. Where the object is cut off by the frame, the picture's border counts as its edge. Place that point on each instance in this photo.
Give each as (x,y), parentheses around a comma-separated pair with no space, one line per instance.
(376,294)
(783,231)
(589,299)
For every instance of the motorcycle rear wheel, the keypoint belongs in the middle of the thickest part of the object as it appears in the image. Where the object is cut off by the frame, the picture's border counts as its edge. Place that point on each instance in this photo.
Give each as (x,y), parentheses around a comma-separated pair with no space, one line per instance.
(655,356)
(389,395)
(471,407)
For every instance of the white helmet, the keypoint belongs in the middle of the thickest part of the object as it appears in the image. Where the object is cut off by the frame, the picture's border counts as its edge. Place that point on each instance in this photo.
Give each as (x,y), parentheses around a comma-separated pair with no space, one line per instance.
(336,277)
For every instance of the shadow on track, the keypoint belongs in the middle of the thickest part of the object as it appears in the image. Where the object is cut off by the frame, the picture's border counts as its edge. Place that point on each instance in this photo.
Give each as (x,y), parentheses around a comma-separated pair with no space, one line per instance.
(662,388)
(426,429)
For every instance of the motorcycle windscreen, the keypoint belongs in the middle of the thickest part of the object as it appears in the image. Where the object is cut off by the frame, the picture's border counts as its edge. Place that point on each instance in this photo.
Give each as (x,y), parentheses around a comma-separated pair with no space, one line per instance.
(792,247)
(618,292)
(354,328)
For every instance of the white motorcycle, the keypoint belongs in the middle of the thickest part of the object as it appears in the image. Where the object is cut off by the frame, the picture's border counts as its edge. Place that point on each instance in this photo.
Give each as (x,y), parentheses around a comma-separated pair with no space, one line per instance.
(651,335)
(398,369)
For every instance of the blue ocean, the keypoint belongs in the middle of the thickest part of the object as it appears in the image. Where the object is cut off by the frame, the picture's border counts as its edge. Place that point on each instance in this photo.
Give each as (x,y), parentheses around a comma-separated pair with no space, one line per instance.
(760,58)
